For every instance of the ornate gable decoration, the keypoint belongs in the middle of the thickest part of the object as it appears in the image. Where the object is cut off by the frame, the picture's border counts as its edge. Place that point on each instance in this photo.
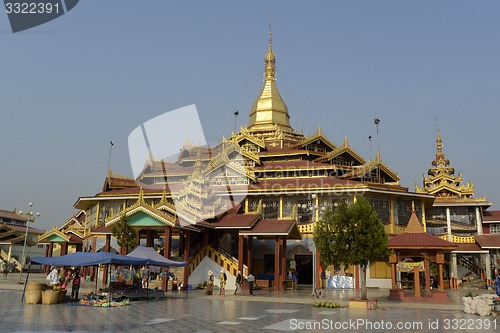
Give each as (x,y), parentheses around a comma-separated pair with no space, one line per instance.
(316,141)
(54,235)
(141,206)
(345,148)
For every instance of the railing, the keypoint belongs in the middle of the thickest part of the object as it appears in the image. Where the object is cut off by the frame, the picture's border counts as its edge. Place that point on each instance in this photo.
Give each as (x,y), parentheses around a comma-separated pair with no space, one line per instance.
(465,262)
(222,258)
(460,239)
(306,228)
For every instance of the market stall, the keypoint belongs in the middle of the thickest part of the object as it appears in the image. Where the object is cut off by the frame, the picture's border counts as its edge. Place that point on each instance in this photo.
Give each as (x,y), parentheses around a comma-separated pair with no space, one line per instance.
(84,259)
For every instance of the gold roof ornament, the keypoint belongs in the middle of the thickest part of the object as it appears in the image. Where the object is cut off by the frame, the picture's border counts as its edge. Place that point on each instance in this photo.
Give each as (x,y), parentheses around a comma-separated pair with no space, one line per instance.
(441,180)
(269,108)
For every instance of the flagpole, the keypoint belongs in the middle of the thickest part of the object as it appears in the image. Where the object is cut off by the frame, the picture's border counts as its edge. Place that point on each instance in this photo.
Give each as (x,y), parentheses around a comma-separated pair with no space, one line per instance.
(111,144)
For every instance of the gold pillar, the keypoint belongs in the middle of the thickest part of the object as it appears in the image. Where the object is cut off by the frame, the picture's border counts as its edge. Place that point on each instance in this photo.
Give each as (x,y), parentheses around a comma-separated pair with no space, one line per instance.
(392,203)
(423,217)
(97,213)
(317,210)
(281,206)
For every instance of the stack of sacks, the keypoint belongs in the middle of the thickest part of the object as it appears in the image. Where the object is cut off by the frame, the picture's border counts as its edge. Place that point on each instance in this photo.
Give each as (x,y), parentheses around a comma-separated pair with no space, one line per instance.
(466,301)
(477,305)
(483,307)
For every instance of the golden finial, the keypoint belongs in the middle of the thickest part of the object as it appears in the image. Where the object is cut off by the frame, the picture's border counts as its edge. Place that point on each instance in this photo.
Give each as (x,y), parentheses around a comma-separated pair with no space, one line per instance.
(141,196)
(319,130)
(346,142)
(270,31)
(270,61)
(412,206)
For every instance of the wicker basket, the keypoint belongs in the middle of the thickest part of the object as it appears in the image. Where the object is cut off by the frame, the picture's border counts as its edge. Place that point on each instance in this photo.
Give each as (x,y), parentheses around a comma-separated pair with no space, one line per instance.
(61,298)
(33,296)
(34,286)
(50,297)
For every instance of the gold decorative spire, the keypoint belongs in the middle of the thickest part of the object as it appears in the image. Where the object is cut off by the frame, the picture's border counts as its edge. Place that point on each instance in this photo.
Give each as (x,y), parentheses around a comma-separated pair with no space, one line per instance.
(441,180)
(440,160)
(269,109)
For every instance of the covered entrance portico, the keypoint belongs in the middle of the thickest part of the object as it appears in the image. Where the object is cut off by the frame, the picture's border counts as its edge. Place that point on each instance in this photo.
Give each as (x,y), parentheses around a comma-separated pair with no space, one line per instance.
(279,231)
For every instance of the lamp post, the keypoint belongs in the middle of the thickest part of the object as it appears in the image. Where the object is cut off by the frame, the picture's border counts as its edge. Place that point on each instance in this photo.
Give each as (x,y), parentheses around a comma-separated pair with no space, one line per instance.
(29,214)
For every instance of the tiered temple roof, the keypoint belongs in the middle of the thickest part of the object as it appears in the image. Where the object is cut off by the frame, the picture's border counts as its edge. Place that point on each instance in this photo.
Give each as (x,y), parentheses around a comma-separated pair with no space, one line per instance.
(443,183)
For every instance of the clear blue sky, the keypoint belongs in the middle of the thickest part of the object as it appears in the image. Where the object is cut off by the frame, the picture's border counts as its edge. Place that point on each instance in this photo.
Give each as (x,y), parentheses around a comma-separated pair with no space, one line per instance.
(94,74)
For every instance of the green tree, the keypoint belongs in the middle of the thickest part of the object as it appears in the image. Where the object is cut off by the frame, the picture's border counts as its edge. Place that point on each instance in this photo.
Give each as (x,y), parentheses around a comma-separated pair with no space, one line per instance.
(124,234)
(352,234)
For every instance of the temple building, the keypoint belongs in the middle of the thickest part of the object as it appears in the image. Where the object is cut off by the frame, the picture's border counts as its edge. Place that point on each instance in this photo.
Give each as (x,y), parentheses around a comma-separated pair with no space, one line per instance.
(459,217)
(250,203)
(14,234)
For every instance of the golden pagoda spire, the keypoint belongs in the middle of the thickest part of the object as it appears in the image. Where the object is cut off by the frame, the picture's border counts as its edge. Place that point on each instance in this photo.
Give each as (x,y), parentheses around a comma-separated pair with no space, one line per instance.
(440,160)
(269,109)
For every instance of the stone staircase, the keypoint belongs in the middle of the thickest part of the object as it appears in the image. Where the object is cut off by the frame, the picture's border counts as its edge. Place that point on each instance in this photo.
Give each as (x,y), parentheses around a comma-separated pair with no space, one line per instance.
(5,256)
(473,284)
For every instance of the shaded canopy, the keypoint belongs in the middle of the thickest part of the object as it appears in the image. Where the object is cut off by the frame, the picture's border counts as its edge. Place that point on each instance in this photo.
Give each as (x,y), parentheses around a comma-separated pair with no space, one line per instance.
(153,256)
(91,259)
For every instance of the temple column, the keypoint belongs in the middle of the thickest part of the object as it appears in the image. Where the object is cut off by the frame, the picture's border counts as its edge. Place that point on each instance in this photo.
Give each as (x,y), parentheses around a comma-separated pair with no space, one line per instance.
(448,224)
(64,248)
(276,286)
(479,222)
(45,267)
(167,247)
(240,253)
(393,259)
(282,260)
(392,203)
(249,253)
(167,244)
(416,280)
(440,281)
(107,248)
(454,272)
(148,238)
(182,241)
(393,276)
(487,264)
(93,271)
(187,245)
(424,223)
(427,276)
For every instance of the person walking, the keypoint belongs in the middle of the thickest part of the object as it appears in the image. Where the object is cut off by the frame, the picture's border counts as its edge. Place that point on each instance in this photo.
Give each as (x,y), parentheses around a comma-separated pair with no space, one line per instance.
(5,269)
(223,279)
(497,285)
(75,287)
(239,280)
(210,287)
(251,280)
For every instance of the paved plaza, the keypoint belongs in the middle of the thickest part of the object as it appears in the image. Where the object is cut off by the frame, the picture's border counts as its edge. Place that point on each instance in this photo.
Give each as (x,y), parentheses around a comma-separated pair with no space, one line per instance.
(265,312)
